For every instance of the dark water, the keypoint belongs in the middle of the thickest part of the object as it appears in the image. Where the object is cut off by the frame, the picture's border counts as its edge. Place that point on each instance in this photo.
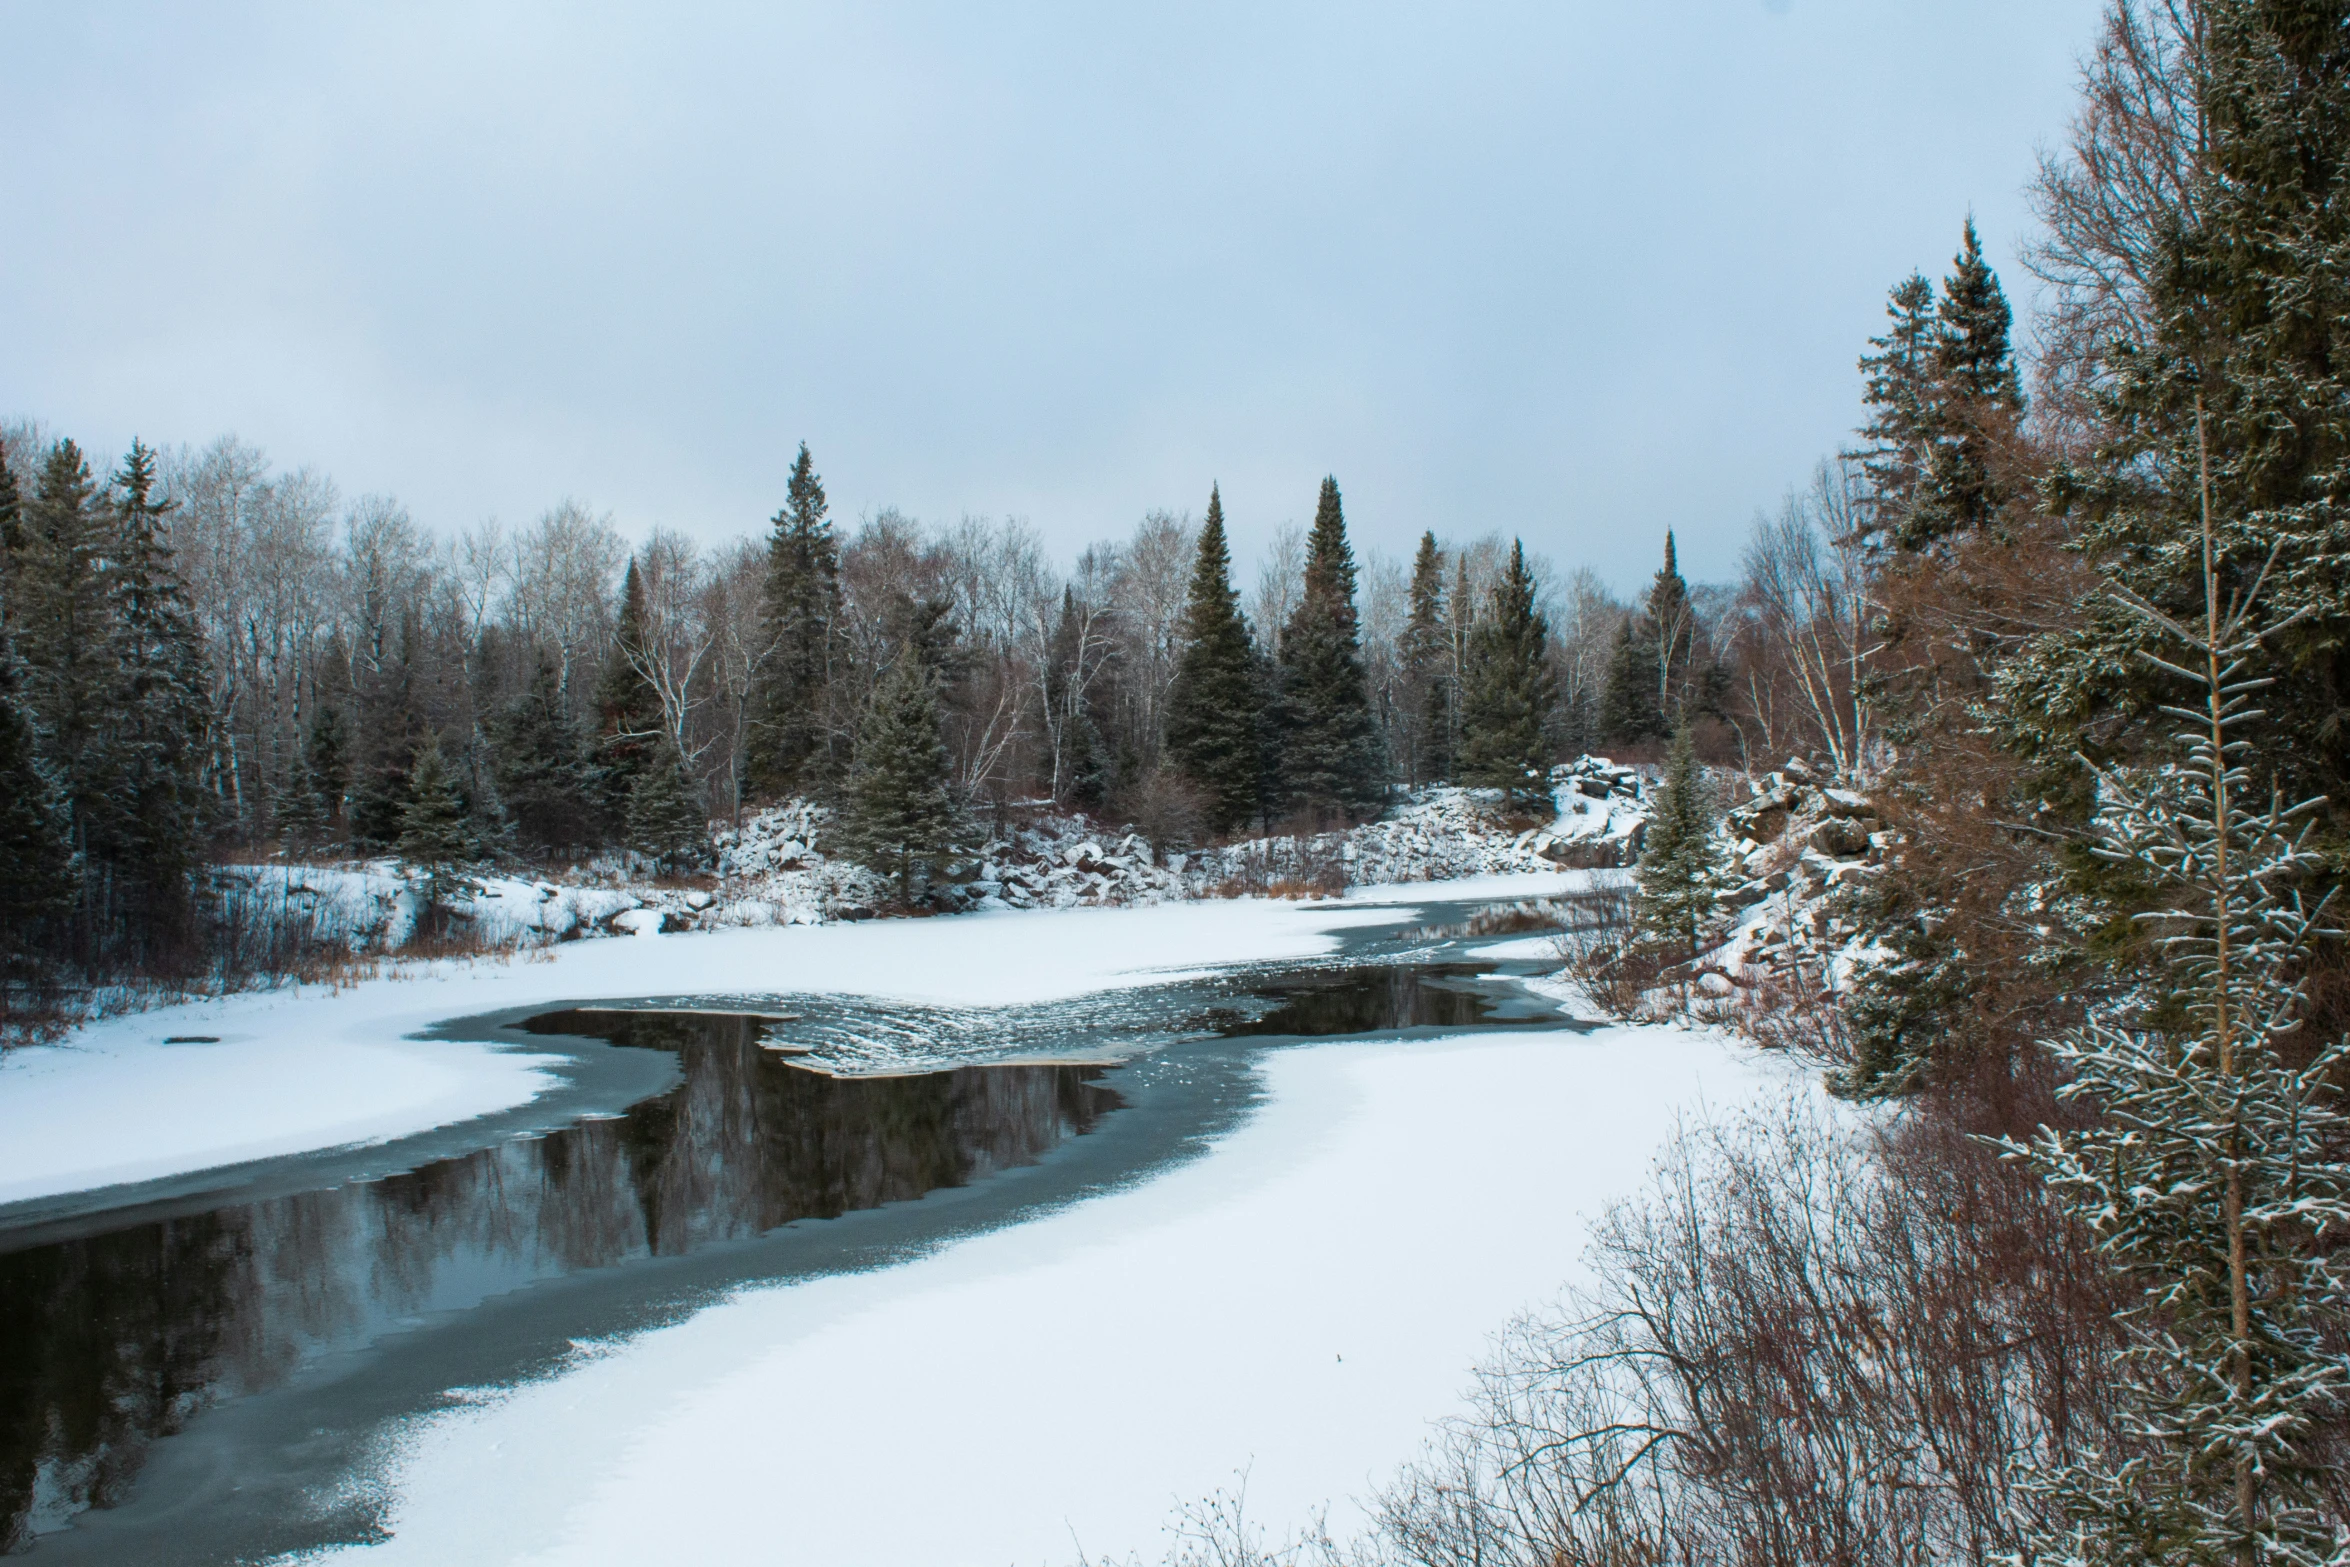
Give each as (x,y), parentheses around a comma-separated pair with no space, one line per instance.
(119,1332)
(1368,1000)
(110,1341)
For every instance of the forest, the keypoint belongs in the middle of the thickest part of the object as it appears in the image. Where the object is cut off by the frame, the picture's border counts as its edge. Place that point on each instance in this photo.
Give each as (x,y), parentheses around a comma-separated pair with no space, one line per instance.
(208,659)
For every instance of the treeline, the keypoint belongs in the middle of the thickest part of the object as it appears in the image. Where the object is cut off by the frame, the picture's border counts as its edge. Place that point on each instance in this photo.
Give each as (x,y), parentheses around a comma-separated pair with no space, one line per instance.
(564,692)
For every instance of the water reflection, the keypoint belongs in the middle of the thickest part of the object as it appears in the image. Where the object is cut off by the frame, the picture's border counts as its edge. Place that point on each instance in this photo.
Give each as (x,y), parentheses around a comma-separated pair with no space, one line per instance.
(1373,997)
(110,1341)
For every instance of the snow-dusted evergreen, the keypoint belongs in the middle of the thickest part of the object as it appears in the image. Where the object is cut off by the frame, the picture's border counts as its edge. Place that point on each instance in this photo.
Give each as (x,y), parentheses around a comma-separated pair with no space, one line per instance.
(2210,1175)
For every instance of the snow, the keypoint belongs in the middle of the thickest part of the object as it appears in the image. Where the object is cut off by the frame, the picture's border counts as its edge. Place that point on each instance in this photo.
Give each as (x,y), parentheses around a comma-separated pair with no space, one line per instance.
(306,1069)
(120,1105)
(1299,1303)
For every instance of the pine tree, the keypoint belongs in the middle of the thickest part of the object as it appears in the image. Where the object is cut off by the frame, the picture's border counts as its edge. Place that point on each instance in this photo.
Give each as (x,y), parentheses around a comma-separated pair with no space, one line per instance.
(301,813)
(1215,710)
(64,626)
(1681,866)
(330,764)
(1627,702)
(436,840)
(1982,398)
(899,815)
(539,762)
(1899,390)
(389,730)
(2212,1173)
(666,821)
(1509,692)
(799,610)
(1425,702)
(1331,759)
(1652,681)
(2245,305)
(150,828)
(36,852)
(628,709)
(1081,763)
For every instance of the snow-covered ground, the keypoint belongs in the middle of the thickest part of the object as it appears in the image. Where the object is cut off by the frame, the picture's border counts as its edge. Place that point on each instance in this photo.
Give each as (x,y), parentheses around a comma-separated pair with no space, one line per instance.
(299,1070)
(1299,1303)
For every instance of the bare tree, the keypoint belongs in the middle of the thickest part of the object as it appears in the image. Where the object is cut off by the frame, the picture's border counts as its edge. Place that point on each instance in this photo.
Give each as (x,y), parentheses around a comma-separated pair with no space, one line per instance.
(1805,601)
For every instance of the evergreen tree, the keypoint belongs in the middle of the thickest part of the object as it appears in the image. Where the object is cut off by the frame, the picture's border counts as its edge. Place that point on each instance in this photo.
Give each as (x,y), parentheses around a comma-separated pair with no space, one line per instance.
(628,709)
(1681,866)
(539,762)
(1980,400)
(301,813)
(1081,762)
(2210,1171)
(1424,652)
(1898,380)
(64,631)
(436,840)
(899,816)
(1652,682)
(390,730)
(1215,708)
(666,820)
(36,851)
(148,820)
(1509,692)
(329,763)
(799,609)
(2244,358)
(1944,395)
(1331,759)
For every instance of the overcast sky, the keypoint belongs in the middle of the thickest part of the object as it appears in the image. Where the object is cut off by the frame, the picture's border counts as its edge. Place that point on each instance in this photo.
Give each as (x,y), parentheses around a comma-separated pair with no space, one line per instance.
(1582,271)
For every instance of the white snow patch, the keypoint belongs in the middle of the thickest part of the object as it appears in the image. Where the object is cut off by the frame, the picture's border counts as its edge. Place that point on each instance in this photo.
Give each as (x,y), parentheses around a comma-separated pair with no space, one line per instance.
(305,1069)
(1299,1303)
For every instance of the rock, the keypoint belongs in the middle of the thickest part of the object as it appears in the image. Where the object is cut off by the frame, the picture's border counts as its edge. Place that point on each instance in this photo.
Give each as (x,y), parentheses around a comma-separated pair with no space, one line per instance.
(1843,802)
(699,900)
(1840,837)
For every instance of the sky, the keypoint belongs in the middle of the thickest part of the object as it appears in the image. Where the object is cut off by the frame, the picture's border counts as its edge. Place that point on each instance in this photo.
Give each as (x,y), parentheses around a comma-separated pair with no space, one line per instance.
(1580,271)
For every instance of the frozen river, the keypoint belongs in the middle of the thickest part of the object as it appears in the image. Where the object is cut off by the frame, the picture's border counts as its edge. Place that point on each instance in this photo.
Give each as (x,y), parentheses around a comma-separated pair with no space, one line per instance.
(825,1277)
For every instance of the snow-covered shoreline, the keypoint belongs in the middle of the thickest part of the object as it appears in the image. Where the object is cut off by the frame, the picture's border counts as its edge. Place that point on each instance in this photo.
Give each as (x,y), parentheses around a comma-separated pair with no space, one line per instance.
(306,1069)
(1299,1303)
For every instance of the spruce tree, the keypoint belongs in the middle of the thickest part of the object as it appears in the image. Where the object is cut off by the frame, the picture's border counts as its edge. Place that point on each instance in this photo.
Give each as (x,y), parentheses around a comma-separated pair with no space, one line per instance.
(301,813)
(36,852)
(539,763)
(1651,679)
(666,821)
(1681,866)
(436,839)
(799,611)
(1331,759)
(2244,359)
(1424,652)
(628,709)
(390,728)
(1081,763)
(151,824)
(330,763)
(2210,1170)
(1980,399)
(899,815)
(1509,692)
(1898,381)
(64,631)
(1215,708)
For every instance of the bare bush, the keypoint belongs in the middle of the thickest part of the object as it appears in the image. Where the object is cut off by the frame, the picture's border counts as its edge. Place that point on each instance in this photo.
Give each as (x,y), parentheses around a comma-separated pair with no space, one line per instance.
(1807,1343)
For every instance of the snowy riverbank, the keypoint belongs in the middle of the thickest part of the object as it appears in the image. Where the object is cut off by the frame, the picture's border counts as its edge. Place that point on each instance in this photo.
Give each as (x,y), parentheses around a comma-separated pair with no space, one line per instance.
(298,1070)
(1299,1303)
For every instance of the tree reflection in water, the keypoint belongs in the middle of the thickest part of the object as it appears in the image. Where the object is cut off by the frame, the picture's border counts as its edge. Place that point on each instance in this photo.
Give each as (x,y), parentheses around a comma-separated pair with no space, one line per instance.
(110,1341)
